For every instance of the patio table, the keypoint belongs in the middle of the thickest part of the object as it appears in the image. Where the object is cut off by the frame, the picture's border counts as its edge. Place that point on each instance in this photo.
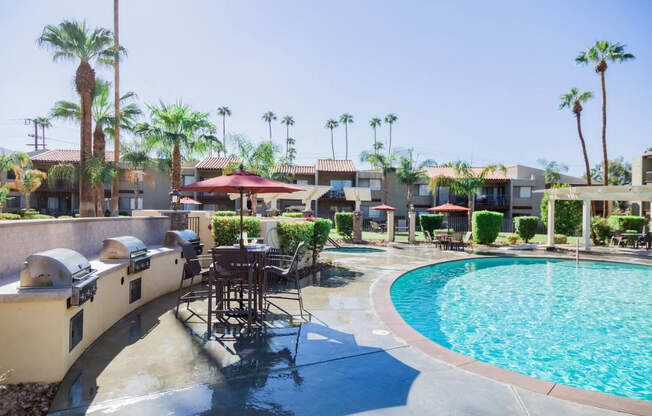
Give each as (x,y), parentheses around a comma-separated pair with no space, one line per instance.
(632,238)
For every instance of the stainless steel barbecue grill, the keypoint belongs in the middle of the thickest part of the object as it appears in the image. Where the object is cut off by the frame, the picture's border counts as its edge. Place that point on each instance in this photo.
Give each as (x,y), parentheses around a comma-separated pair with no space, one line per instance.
(60,268)
(173,238)
(126,248)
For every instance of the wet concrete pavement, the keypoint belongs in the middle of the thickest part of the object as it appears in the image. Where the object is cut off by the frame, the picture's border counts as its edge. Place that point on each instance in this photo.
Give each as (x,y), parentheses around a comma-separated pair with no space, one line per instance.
(340,360)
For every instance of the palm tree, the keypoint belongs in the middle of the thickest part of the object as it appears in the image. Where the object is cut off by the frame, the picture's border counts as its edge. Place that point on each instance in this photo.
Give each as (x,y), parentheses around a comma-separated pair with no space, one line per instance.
(288,121)
(7,162)
(45,123)
(573,101)
(115,185)
(103,116)
(331,124)
(99,173)
(176,127)
(465,181)
(74,40)
(601,52)
(382,162)
(374,123)
(390,119)
(268,117)
(346,119)
(136,159)
(409,175)
(552,170)
(291,152)
(223,111)
(27,181)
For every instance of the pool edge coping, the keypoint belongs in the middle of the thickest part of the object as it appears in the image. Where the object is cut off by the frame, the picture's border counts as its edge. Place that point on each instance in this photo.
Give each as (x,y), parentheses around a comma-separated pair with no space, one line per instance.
(384,307)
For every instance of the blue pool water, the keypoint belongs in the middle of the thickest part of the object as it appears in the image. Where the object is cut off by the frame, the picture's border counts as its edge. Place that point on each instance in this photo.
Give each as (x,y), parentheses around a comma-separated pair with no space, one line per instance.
(586,325)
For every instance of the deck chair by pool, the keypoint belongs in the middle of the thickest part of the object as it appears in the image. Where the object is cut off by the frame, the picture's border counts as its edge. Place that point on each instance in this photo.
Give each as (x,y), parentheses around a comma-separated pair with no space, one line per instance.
(456,242)
(617,238)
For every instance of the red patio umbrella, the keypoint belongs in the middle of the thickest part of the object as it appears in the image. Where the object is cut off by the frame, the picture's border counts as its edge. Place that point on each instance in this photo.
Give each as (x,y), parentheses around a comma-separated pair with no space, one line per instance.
(448,207)
(383,207)
(189,201)
(241,182)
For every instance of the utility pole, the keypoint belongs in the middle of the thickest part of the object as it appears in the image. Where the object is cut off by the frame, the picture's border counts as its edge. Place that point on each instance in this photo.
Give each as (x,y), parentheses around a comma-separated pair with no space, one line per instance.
(29,121)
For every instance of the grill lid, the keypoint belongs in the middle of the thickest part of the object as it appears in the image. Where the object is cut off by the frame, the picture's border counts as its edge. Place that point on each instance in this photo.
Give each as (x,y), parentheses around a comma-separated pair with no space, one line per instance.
(124,247)
(59,267)
(173,238)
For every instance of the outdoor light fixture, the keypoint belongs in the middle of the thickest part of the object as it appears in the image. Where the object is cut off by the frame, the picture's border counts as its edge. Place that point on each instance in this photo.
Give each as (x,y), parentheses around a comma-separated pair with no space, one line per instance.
(175,196)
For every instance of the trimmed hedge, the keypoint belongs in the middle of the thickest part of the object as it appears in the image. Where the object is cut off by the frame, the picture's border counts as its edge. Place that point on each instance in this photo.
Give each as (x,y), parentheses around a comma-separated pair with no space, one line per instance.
(626,222)
(526,227)
(226,213)
(8,216)
(486,226)
(600,231)
(63,217)
(430,223)
(313,233)
(292,214)
(344,224)
(568,214)
(226,230)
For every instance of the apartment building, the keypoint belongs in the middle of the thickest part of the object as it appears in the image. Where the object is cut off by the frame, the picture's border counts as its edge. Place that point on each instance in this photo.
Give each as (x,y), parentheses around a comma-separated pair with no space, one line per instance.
(642,175)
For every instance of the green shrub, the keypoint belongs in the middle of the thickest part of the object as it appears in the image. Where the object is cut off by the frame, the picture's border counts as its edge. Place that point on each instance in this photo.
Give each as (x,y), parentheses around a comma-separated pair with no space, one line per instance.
(226,213)
(120,214)
(512,239)
(568,214)
(526,227)
(344,224)
(486,226)
(62,217)
(600,231)
(430,223)
(313,233)
(626,222)
(226,230)
(37,217)
(560,239)
(7,216)
(292,214)
(322,230)
(631,232)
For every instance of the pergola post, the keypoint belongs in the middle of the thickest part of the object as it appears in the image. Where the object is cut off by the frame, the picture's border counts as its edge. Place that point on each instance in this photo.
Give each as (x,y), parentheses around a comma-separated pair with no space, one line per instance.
(586,224)
(551,222)
(411,235)
(390,226)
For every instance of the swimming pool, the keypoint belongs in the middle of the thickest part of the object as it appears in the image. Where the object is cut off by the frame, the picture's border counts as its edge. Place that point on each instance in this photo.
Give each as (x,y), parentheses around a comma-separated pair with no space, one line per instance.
(586,325)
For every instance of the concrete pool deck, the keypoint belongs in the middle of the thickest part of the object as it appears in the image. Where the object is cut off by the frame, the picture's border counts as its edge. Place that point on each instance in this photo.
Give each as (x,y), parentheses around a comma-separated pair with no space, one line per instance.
(344,359)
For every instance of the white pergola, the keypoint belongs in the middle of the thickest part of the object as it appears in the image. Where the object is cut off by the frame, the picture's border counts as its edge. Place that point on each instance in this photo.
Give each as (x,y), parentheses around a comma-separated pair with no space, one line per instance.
(586,194)
(310,193)
(357,195)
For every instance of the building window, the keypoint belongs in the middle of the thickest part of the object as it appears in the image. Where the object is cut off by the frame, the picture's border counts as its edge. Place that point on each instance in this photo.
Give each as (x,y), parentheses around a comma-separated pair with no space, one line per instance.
(187,180)
(53,203)
(423,190)
(132,203)
(374,214)
(302,182)
(525,192)
(443,195)
(375,184)
(338,184)
(209,207)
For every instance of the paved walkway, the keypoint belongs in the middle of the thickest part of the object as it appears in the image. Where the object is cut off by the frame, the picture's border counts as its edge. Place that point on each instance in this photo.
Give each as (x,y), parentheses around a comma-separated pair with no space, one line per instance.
(342,361)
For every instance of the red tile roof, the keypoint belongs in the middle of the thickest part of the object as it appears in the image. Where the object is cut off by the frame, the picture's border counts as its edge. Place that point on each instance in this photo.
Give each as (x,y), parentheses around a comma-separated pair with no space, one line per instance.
(217,163)
(63,156)
(330,165)
(648,155)
(449,172)
(296,170)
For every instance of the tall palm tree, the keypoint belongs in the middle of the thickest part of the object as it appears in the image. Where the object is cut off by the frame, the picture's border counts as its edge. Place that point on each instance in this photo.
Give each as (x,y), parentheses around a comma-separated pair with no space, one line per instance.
(136,159)
(600,53)
(464,181)
(176,127)
(346,118)
(99,173)
(573,101)
(115,185)
(27,181)
(390,119)
(382,162)
(331,124)
(73,40)
(288,121)
(374,123)
(103,116)
(409,175)
(224,111)
(268,117)
(45,123)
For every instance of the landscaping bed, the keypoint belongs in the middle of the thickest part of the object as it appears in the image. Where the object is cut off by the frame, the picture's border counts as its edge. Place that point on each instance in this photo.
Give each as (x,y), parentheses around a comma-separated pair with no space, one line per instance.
(26,398)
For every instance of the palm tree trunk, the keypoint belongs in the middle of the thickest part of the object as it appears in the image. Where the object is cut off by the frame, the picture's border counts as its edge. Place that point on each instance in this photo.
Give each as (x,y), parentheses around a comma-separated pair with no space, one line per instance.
(604,140)
(586,157)
(86,206)
(409,196)
(224,132)
(385,192)
(253,200)
(470,213)
(99,144)
(332,144)
(287,139)
(346,136)
(26,195)
(270,130)
(115,185)
(389,149)
(176,169)
(135,179)
(375,142)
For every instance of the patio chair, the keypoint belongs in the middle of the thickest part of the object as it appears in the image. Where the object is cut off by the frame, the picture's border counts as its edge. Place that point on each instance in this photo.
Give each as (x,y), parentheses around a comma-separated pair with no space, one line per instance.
(290,272)
(443,240)
(375,227)
(402,226)
(617,238)
(191,269)
(456,241)
(429,238)
(231,280)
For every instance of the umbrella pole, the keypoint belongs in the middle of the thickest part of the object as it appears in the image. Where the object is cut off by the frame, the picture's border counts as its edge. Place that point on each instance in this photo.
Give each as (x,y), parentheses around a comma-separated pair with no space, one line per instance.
(241,219)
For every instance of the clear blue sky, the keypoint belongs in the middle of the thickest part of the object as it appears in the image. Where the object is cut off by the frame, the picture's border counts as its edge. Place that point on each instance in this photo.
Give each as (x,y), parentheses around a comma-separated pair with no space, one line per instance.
(477,81)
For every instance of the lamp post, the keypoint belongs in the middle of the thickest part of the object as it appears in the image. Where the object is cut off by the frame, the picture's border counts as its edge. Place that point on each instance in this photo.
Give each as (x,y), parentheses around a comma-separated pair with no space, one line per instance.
(175,196)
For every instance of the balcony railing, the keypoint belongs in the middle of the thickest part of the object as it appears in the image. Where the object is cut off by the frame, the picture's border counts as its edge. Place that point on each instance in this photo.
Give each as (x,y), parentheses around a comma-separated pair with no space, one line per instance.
(57,186)
(334,194)
(648,177)
(483,202)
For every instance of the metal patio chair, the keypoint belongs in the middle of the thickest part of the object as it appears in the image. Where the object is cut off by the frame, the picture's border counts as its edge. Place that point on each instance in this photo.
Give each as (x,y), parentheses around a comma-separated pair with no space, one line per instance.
(289,272)
(191,270)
